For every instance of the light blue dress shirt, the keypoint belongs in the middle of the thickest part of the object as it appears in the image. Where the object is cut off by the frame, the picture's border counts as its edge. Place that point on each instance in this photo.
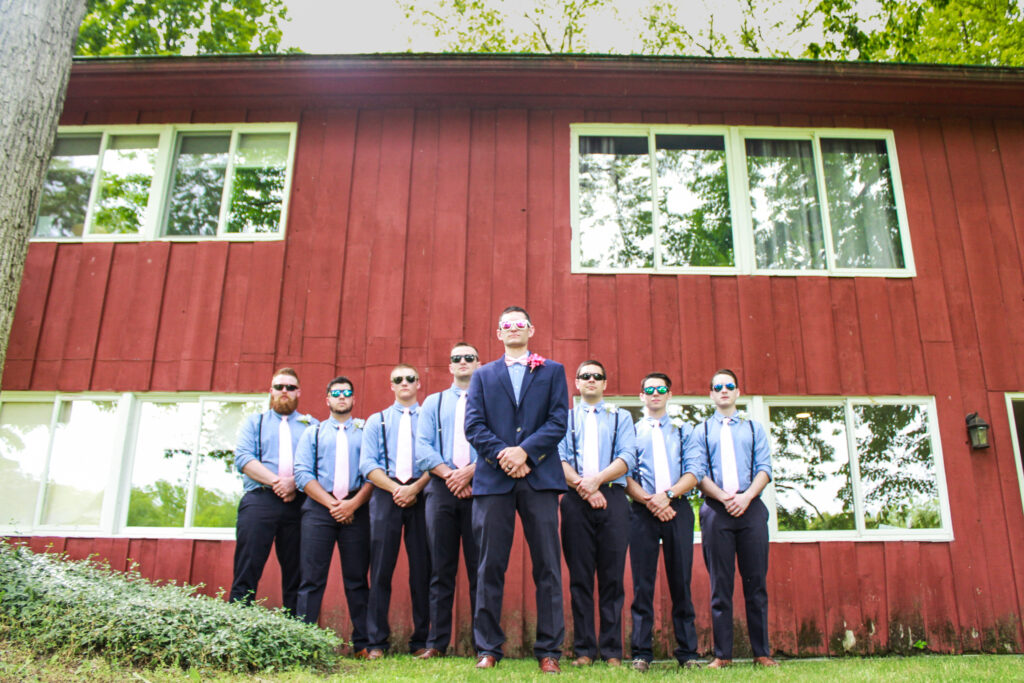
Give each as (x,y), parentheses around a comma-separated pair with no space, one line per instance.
(325,437)
(749,448)
(680,460)
(266,426)
(373,454)
(428,438)
(516,373)
(625,442)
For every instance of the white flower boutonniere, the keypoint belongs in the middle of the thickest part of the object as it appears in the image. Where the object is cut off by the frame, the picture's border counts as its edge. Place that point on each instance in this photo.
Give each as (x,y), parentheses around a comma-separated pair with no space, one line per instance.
(358,423)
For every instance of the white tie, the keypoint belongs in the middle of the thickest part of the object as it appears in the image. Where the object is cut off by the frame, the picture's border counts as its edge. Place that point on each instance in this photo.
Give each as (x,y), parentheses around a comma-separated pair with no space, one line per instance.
(591,444)
(284,449)
(662,479)
(341,475)
(403,461)
(727,452)
(460,447)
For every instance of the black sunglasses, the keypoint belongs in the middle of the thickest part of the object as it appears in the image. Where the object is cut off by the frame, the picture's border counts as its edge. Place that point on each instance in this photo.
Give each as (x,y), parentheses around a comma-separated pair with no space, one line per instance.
(337,393)
(661,390)
(285,387)
(718,387)
(468,357)
(590,375)
(411,379)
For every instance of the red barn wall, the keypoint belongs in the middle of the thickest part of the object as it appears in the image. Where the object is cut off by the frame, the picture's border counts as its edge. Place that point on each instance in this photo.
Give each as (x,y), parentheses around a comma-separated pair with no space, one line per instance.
(411,225)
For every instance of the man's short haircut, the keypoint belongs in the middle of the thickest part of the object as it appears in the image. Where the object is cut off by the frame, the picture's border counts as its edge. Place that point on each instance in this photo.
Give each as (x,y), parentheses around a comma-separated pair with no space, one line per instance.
(289,372)
(592,362)
(516,309)
(656,375)
(723,371)
(406,366)
(341,379)
(462,343)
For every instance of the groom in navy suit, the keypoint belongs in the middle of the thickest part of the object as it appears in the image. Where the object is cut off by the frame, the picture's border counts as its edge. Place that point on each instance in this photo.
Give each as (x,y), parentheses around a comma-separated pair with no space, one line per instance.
(515,417)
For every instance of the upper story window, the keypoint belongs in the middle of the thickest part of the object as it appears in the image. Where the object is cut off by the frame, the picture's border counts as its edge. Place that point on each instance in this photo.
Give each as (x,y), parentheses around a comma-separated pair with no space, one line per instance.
(152,182)
(726,200)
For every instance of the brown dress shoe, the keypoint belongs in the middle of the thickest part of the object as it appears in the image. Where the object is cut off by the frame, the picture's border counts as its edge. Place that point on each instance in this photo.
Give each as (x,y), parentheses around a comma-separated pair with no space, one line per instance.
(690,664)
(765,661)
(418,652)
(375,653)
(641,665)
(429,653)
(613,661)
(361,654)
(717,663)
(486,662)
(549,665)
(582,660)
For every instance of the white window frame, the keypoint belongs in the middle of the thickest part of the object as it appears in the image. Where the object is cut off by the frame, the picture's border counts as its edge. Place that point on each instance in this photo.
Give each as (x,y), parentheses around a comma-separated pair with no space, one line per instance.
(159,194)
(1010,398)
(739,201)
(757,407)
(113,516)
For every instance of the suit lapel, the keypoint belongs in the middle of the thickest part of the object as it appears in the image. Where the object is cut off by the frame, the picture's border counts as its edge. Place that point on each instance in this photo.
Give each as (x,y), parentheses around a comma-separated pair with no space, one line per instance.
(527,380)
(503,379)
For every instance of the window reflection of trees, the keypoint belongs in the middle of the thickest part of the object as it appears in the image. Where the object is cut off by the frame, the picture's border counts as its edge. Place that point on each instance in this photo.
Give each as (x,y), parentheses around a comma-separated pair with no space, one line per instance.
(68,184)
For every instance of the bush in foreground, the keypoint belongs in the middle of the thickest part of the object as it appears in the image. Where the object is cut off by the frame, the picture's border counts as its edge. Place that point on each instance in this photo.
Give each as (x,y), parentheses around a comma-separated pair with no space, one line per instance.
(55,605)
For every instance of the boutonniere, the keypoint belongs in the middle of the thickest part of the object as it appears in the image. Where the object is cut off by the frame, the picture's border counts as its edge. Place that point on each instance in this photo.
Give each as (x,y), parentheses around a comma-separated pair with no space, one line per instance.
(535,360)
(304,419)
(358,423)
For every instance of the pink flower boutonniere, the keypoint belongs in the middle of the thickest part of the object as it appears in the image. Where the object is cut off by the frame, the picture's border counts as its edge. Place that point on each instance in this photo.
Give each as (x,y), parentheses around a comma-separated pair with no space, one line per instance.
(535,360)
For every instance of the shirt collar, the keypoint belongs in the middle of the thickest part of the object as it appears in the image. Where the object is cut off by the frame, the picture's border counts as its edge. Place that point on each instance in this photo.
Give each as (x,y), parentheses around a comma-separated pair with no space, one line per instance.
(457,390)
(662,421)
(340,425)
(585,407)
(400,408)
(721,418)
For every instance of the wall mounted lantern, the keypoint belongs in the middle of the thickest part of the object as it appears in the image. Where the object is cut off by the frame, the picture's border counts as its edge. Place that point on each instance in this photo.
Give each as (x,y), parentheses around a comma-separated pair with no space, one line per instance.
(977,430)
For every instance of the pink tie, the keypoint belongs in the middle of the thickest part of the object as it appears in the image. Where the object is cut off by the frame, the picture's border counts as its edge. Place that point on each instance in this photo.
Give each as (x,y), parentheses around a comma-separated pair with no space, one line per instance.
(284,449)
(341,475)
(460,447)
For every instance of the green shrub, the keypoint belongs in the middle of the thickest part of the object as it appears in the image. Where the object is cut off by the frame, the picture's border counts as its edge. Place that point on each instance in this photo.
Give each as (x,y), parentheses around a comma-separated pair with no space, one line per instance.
(55,605)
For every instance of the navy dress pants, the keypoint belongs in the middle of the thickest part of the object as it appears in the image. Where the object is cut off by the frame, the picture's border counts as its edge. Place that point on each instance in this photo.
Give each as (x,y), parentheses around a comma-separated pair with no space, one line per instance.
(387,522)
(494,523)
(595,542)
(647,537)
(320,533)
(728,541)
(449,524)
(264,520)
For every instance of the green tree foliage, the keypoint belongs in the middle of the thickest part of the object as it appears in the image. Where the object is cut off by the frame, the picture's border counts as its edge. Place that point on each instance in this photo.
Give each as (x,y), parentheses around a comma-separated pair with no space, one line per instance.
(173,27)
(983,32)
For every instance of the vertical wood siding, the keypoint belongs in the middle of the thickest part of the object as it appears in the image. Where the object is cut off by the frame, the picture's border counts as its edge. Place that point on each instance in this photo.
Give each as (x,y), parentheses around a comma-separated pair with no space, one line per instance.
(409,229)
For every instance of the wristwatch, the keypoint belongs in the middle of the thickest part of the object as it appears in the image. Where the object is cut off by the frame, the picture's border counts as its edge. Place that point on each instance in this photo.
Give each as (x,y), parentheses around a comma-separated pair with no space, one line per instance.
(670,494)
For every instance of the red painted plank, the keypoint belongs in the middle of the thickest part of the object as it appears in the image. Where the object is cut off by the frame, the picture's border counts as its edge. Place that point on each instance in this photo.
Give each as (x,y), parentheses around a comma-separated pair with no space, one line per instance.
(663,335)
(786,322)
(941,618)
(848,339)
(697,327)
(634,320)
(571,289)
(784,583)
(173,317)
(874,600)
(140,325)
(218,116)
(906,616)
(841,590)
(212,567)
(809,599)
(601,344)
(817,327)
(906,339)
(1010,142)
(284,114)
(83,323)
(545,305)
(166,116)
(266,298)
(481,314)
(758,335)
(199,338)
(111,118)
(875,335)
(728,342)
(232,317)
(28,316)
(510,231)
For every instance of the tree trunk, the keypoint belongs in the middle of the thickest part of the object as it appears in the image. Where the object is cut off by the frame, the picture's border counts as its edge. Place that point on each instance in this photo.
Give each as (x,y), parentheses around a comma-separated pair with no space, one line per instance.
(37,39)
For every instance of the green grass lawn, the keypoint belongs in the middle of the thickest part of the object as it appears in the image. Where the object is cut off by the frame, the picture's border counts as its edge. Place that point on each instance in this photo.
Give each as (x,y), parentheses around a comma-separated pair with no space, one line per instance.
(19,664)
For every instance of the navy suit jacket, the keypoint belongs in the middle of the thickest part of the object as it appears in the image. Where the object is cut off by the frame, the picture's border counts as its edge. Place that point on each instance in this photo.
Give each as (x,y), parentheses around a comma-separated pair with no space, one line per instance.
(537,424)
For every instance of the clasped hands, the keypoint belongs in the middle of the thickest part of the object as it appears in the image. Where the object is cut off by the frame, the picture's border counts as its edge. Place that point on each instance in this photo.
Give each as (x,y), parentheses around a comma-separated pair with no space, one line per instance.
(284,488)
(459,482)
(588,489)
(512,461)
(343,511)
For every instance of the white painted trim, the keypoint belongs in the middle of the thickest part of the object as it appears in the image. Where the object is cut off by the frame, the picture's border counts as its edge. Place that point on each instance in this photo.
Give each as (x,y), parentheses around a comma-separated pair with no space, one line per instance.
(1010,398)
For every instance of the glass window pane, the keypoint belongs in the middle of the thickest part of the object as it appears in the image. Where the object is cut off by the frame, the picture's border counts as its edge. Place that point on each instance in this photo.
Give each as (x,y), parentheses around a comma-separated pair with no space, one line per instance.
(199,170)
(861,204)
(693,201)
(784,205)
(897,467)
(257,190)
(127,175)
(166,436)
(67,187)
(811,468)
(615,229)
(24,436)
(83,449)
(219,486)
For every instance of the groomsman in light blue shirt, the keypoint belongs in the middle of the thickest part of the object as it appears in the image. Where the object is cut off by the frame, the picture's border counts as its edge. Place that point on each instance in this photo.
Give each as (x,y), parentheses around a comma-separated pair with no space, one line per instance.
(662,522)
(598,449)
(388,460)
(734,519)
(442,450)
(335,511)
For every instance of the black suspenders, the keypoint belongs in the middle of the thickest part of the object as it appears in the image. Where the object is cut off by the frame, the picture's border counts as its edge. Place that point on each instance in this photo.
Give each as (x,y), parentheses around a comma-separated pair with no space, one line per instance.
(384,433)
(440,434)
(259,437)
(707,450)
(316,451)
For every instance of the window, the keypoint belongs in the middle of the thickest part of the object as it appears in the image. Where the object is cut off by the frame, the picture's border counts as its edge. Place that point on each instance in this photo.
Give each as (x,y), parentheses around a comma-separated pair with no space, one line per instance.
(726,200)
(134,463)
(148,182)
(843,468)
